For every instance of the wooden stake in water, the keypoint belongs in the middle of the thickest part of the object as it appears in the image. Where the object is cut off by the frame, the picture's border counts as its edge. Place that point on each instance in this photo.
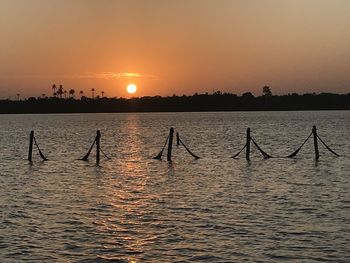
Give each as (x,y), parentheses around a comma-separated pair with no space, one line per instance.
(98,138)
(170,144)
(31,140)
(314,132)
(247,153)
(177,139)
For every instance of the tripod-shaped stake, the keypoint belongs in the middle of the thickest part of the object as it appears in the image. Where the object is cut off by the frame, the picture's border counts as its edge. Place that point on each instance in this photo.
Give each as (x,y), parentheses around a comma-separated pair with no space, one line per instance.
(247,147)
(316,138)
(98,149)
(169,141)
(30,150)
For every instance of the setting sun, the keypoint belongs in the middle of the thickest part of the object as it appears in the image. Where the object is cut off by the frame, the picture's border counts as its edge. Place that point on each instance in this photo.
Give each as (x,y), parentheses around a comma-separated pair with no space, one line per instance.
(131,88)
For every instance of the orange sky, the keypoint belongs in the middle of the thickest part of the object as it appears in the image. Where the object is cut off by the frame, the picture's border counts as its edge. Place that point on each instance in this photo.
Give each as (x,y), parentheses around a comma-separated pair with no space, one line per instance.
(181,47)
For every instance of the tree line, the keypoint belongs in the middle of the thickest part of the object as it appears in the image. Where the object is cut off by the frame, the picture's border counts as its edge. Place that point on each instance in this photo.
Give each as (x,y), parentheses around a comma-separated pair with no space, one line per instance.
(216,101)
(60,92)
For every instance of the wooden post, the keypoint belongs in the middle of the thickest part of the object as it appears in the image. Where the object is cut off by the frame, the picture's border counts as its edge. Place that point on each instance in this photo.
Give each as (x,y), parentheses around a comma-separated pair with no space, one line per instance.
(247,153)
(314,132)
(170,144)
(98,138)
(177,139)
(30,152)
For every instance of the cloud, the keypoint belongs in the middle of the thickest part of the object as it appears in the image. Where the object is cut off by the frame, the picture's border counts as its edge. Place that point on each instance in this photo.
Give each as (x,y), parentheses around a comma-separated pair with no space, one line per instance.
(113,75)
(21,75)
(93,75)
(85,75)
(128,75)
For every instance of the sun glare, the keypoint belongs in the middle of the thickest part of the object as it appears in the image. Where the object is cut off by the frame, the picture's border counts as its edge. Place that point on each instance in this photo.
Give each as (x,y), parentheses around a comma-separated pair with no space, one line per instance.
(131,88)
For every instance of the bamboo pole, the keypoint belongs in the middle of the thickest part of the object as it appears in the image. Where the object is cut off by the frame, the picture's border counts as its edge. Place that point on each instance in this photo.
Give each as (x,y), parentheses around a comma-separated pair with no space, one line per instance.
(98,138)
(314,132)
(170,143)
(177,139)
(30,151)
(247,153)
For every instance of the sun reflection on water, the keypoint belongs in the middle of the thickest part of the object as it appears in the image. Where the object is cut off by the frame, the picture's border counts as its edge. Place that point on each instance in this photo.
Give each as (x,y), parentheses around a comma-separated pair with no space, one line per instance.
(126,200)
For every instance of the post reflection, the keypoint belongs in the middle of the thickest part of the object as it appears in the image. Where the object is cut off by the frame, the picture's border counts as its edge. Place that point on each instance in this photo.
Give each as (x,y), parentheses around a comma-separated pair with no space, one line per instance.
(171,169)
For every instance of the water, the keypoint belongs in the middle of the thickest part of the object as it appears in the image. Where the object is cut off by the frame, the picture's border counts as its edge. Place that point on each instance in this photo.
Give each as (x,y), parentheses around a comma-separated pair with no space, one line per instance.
(136,209)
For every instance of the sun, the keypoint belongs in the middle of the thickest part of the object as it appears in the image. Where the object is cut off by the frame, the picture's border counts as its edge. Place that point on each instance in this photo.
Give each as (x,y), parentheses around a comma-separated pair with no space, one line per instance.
(131,88)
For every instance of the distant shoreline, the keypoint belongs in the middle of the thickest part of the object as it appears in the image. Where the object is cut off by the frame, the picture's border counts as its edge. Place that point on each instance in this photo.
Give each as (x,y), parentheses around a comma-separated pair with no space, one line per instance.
(217,102)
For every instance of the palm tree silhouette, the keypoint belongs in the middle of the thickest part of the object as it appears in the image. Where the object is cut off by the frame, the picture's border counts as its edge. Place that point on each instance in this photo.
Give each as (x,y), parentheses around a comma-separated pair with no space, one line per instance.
(54,90)
(65,94)
(267,91)
(60,91)
(71,93)
(81,94)
(18,96)
(92,91)
(103,93)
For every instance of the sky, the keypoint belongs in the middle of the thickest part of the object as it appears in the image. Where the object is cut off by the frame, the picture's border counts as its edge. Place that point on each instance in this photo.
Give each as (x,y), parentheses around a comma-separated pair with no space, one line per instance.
(174,47)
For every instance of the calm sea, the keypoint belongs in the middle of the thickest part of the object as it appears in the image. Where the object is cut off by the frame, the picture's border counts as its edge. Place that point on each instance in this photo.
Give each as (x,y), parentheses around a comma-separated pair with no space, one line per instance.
(136,209)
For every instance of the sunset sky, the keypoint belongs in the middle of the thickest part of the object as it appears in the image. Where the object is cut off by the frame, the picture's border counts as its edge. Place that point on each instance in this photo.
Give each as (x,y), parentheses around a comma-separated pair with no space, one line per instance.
(174,47)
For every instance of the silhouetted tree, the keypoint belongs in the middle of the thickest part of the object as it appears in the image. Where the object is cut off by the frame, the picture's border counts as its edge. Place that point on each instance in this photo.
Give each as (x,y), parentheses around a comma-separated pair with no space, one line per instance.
(103,93)
(60,91)
(65,94)
(93,93)
(71,93)
(217,93)
(54,90)
(248,95)
(267,91)
(81,94)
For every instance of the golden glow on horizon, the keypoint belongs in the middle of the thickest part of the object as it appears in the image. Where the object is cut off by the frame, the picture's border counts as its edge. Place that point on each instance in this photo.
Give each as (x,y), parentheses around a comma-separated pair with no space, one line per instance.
(131,88)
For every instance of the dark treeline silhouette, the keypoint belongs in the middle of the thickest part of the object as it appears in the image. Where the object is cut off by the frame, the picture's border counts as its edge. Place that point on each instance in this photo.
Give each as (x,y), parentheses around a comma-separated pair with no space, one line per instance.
(198,102)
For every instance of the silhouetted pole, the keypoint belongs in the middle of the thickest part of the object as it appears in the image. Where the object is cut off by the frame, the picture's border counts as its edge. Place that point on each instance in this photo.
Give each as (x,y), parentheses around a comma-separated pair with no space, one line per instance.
(170,143)
(314,132)
(247,153)
(98,138)
(30,152)
(177,139)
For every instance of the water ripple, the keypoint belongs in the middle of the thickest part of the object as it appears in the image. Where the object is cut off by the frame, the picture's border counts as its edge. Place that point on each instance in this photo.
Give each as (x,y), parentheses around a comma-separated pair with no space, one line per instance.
(136,209)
